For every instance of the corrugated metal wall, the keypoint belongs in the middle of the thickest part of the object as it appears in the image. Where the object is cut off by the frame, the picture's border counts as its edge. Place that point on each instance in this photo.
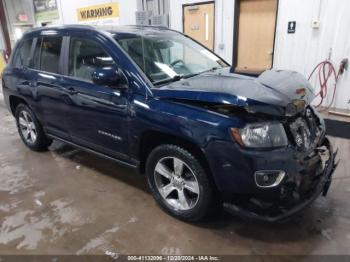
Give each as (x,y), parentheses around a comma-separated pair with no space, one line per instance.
(158,7)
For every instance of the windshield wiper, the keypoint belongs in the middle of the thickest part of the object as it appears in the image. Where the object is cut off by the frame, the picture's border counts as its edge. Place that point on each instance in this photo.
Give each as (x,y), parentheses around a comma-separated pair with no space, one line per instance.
(196,74)
(169,80)
(179,77)
(209,70)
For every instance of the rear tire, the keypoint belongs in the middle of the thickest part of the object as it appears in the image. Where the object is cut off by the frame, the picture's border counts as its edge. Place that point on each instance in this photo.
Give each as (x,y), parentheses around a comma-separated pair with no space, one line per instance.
(179,183)
(30,130)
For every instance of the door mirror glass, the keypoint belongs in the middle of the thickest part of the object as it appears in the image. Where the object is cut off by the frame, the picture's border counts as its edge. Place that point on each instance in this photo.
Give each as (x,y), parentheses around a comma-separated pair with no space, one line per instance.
(109,77)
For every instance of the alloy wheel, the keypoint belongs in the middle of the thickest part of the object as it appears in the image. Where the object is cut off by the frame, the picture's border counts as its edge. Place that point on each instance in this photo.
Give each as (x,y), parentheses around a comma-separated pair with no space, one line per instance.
(27,127)
(176,183)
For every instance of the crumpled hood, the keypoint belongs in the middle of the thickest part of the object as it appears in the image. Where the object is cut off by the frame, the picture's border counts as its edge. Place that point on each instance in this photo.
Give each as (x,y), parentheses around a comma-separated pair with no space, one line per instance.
(273,92)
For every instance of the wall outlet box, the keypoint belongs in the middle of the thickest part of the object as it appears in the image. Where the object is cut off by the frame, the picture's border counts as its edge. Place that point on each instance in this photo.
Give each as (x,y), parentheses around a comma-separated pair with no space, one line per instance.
(315,24)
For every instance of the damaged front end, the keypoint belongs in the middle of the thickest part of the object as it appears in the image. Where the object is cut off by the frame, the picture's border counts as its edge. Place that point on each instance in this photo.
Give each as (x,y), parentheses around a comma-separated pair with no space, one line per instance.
(300,162)
(291,189)
(296,192)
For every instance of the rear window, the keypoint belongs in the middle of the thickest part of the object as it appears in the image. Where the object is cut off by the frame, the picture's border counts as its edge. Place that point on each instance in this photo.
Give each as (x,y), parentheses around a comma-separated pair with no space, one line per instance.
(22,55)
(47,54)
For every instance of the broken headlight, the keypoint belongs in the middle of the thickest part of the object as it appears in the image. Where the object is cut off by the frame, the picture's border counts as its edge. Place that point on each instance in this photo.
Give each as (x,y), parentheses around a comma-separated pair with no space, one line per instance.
(261,135)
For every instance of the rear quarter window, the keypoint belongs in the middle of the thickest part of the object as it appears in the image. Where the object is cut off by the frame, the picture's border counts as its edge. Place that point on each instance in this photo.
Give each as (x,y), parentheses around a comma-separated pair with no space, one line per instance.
(22,55)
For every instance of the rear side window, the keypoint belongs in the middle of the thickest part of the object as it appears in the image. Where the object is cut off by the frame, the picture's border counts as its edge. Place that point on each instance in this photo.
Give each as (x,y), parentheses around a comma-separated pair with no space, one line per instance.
(47,52)
(85,57)
(22,55)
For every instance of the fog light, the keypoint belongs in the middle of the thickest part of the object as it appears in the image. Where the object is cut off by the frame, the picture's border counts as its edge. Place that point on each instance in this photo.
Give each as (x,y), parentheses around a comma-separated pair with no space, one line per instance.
(269,178)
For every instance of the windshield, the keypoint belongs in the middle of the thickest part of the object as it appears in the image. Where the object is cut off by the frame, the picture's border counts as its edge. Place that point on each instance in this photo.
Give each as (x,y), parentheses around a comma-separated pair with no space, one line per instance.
(170,57)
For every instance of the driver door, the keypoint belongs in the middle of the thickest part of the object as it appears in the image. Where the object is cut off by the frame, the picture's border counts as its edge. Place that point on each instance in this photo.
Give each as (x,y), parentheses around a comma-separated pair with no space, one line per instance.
(97,116)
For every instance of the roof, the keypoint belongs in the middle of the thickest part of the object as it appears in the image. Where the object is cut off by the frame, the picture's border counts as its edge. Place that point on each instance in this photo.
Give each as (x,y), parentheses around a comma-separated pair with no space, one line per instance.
(132,29)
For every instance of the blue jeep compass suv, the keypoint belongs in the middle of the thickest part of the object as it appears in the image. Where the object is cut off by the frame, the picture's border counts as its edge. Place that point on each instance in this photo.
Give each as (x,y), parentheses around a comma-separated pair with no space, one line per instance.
(156,100)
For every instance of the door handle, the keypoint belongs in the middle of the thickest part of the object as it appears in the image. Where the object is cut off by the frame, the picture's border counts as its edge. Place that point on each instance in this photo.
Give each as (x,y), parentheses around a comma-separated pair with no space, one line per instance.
(71,91)
(33,84)
(27,83)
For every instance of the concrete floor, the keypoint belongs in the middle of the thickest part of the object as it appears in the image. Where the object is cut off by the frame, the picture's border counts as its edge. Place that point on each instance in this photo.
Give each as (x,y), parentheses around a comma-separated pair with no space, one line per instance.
(66,201)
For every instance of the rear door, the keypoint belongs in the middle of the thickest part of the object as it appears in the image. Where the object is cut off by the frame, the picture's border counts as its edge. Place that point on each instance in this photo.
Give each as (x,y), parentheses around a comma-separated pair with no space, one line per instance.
(98,115)
(47,61)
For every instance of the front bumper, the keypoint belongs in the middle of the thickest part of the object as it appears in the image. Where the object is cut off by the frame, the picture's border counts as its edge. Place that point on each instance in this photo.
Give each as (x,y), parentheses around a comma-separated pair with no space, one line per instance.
(280,210)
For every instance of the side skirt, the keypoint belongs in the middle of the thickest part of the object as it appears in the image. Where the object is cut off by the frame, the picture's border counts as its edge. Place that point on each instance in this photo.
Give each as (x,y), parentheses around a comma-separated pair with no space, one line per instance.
(124,163)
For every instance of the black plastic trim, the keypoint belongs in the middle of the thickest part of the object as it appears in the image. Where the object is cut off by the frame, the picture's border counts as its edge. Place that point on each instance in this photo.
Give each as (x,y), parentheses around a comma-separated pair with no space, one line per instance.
(94,152)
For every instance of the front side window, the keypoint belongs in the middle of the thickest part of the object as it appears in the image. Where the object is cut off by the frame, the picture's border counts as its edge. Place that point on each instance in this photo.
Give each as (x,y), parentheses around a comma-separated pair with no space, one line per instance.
(50,54)
(22,57)
(85,57)
(170,56)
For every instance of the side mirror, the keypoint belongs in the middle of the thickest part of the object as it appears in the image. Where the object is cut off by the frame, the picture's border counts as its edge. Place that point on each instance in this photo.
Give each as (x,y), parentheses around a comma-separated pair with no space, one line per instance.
(109,76)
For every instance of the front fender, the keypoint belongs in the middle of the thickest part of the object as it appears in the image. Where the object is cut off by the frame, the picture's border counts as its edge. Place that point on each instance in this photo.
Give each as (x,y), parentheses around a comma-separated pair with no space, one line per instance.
(194,125)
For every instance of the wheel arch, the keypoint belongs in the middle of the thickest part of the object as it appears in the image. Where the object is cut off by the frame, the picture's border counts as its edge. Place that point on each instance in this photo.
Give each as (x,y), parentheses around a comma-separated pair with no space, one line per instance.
(14,101)
(152,139)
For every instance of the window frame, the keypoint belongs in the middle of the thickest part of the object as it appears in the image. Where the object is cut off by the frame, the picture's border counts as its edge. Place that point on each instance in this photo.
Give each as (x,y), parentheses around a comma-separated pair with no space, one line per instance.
(34,48)
(67,49)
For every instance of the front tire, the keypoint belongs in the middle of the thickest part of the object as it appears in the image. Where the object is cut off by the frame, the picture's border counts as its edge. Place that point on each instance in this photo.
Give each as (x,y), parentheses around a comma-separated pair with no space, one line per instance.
(179,183)
(30,130)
